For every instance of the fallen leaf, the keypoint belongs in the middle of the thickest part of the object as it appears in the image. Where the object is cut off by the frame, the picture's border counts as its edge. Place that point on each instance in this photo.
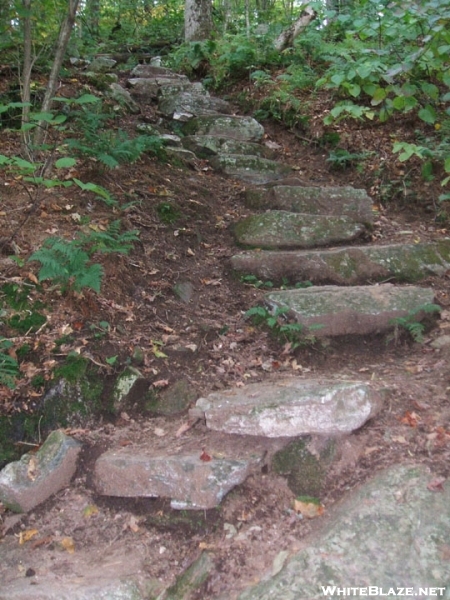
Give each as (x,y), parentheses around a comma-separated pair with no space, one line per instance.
(133,524)
(32,468)
(90,510)
(159,432)
(183,428)
(68,544)
(160,383)
(436,484)
(308,507)
(205,457)
(410,418)
(27,535)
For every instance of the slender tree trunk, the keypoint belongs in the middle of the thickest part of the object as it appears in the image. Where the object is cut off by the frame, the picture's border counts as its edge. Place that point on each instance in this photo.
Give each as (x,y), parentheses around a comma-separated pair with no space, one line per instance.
(25,79)
(287,37)
(61,47)
(197,20)
(247,17)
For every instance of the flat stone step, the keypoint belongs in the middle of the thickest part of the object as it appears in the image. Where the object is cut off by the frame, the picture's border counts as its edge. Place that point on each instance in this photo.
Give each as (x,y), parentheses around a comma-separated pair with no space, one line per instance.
(282,229)
(406,263)
(191,103)
(290,408)
(206,146)
(358,310)
(249,168)
(238,128)
(337,201)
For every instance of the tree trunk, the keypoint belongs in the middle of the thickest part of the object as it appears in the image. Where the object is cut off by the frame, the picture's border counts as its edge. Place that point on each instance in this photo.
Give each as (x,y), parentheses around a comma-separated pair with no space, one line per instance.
(25,79)
(287,37)
(197,20)
(61,47)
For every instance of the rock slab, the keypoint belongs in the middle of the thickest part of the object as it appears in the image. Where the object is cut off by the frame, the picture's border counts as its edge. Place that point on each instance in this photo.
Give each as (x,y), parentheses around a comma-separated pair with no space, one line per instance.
(290,408)
(282,229)
(35,477)
(192,481)
(391,532)
(334,201)
(359,310)
(354,265)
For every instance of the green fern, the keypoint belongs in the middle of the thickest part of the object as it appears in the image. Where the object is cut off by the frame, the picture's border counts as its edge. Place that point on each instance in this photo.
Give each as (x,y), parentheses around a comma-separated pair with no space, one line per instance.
(410,323)
(110,240)
(9,368)
(67,265)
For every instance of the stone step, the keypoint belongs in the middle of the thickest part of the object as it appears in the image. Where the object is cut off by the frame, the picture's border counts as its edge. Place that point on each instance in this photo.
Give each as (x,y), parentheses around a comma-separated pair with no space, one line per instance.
(278,229)
(353,265)
(190,103)
(239,128)
(290,408)
(249,168)
(206,146)
(358,310)
(336,201)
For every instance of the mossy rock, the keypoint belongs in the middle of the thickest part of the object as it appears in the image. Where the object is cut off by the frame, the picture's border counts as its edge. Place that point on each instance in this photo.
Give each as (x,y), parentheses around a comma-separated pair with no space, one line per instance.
(305,463)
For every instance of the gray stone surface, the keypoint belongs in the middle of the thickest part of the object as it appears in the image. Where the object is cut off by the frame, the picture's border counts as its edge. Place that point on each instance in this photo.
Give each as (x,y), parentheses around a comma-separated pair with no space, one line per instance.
(290,408)
(193,103)
(188,480)
(282,229)
(336,201)
(348,266)
(238,128)
(152,71)
(358,310)
(28,482)
(249,168)
(123,98)
(111,589)
(101,64)
(148,89)
(124,383)
(206,146)
(391,532)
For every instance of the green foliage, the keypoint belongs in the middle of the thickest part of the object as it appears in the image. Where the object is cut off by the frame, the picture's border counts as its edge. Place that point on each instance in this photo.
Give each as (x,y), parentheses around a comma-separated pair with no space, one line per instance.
(110,240)
(66,264)
(389,59)
(29,322)
(9,368)
(255,282)
(168,212)
(280,326)
(110,147)
(410,323)
(340,158)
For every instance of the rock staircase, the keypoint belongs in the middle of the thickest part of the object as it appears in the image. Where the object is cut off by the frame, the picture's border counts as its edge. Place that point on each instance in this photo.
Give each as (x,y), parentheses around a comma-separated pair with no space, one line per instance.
(286,241)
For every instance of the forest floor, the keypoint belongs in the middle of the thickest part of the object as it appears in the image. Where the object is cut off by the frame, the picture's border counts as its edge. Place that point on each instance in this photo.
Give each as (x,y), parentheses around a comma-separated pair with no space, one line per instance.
(208,341)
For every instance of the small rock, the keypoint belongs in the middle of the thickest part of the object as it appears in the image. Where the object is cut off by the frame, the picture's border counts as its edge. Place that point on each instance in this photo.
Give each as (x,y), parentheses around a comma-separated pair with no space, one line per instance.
(35,477)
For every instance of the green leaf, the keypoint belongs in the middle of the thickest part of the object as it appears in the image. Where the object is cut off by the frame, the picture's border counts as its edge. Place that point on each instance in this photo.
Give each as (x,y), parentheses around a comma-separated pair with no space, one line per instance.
(430,89)
(65,162)
(428,114)
(378,96)
(447,164)
(354,90)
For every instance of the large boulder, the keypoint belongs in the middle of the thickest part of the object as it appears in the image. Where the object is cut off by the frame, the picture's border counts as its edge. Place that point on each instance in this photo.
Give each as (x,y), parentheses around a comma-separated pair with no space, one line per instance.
(391,534)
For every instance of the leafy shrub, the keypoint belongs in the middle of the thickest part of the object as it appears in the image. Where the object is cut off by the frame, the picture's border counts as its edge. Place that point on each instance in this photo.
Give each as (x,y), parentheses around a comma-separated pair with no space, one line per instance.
(9,368)
(66,264)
